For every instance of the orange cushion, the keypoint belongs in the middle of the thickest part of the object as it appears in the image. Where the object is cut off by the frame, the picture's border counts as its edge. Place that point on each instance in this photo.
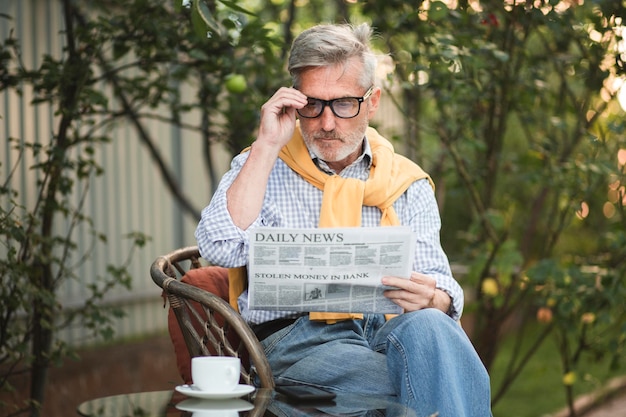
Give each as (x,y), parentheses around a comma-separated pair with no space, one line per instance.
(213,279)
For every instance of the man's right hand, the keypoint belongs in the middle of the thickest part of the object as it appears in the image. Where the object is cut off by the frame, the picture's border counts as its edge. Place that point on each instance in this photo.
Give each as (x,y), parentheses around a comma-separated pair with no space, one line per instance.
(278,121)
(278,118)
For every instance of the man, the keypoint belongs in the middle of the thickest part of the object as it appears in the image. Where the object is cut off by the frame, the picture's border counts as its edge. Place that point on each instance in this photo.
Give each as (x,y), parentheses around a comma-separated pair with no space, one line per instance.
(316,163)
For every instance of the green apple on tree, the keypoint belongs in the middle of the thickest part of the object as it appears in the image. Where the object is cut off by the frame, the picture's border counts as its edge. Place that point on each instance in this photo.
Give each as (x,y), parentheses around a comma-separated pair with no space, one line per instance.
(236,83)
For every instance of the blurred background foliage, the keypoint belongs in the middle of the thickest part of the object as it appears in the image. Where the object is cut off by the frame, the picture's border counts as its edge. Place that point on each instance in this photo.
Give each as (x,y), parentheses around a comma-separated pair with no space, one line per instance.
(515,114)
(512,106)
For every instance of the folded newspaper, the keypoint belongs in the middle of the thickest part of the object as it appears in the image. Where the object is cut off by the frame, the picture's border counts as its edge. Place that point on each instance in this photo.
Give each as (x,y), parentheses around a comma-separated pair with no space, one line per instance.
(329,270)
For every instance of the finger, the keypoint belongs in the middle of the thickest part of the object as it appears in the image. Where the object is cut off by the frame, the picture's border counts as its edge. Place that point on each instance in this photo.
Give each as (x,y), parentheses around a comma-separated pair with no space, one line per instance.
(423,279)
(404,299)
(286,98)
(397,294)
(396,282)
(416,283)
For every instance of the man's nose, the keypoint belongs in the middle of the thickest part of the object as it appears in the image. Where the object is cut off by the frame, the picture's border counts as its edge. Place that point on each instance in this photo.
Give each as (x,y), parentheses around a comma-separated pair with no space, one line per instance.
(328,119)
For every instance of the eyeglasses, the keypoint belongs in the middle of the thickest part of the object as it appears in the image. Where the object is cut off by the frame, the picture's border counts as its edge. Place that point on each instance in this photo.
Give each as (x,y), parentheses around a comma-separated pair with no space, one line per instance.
(343,107)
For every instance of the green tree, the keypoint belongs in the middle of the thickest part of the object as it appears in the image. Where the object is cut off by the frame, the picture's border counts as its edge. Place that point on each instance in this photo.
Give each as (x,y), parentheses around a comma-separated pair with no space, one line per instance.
(514,101)
(38,241)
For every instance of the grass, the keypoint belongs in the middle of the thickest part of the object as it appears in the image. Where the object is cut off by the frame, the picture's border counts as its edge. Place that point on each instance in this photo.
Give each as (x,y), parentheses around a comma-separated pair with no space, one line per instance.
(538,390)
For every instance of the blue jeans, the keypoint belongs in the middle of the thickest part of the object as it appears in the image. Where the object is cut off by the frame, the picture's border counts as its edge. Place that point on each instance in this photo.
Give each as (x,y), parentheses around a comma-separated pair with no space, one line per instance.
(424,358)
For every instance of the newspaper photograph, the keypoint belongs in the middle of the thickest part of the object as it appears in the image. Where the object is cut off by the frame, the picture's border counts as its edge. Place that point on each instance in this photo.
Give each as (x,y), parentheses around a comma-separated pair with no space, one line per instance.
(329,269)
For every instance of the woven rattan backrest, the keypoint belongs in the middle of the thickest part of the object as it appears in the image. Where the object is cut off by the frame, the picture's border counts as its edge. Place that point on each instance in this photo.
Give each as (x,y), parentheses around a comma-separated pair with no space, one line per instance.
(209,324)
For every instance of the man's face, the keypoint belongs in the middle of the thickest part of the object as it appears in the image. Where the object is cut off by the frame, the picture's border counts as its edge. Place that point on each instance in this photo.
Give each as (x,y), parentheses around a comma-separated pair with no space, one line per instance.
(336,141)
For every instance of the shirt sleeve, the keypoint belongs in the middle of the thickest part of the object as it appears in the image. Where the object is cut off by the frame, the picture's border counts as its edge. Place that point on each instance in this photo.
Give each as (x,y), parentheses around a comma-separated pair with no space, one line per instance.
(422,214)
(220,241)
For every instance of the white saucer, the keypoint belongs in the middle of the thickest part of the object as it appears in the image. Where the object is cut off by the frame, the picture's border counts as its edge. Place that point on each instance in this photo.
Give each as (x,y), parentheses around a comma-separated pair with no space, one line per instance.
(199,404)
(192,391)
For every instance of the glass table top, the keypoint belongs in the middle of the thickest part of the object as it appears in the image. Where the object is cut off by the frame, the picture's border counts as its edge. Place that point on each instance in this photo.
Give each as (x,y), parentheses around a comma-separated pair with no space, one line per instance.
(259,403)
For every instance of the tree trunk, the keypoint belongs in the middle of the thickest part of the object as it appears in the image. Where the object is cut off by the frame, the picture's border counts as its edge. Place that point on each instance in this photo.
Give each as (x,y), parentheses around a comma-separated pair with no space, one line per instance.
(44,304)
(43,320)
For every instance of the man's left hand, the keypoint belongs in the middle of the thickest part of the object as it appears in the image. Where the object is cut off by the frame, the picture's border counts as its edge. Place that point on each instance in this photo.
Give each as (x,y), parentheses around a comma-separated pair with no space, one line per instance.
(416,293)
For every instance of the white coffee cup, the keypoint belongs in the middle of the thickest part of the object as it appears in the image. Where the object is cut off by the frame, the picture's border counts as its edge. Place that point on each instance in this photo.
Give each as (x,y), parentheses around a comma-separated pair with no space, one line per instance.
(215,373)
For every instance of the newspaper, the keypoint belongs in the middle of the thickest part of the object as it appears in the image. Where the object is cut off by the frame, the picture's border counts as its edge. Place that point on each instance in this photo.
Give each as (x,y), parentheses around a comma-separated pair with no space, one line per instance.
(328,270)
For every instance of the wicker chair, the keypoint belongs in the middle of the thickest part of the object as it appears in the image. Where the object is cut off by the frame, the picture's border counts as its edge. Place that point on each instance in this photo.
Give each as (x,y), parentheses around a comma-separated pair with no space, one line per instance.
(206,320)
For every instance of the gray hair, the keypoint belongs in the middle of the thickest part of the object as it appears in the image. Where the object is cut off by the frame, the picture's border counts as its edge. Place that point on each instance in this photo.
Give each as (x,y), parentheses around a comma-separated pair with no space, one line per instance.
(325,45)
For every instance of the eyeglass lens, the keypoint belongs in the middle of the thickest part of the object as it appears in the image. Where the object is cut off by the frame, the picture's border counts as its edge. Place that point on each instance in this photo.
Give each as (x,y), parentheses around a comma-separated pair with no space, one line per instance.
(344,107)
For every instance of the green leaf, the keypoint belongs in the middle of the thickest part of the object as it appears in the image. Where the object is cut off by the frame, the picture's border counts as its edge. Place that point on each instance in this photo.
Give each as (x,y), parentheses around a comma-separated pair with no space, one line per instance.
(236,7)
(203,21)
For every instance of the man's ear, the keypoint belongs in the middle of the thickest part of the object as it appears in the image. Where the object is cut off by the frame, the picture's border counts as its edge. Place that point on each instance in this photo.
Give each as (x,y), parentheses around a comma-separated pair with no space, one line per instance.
(374,102)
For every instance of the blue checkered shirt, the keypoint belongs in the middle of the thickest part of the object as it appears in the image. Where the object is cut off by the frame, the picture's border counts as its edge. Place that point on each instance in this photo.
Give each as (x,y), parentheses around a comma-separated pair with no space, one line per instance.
(290,201)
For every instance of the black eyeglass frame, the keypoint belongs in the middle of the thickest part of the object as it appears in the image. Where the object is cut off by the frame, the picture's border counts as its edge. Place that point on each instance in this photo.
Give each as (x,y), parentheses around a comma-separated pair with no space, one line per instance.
(330,103)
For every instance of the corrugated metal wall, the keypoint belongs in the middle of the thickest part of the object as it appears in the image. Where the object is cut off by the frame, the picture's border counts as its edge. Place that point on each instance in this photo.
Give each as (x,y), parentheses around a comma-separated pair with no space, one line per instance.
(129,197)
